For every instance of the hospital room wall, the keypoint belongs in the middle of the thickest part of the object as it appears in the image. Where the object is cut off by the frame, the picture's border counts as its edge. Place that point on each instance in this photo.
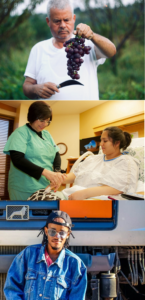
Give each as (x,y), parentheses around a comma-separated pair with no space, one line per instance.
(110,112)
(65,129)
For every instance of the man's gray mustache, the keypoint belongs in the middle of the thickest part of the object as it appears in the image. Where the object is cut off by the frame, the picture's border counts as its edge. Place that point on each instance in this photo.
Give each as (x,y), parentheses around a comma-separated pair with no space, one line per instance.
(63,31)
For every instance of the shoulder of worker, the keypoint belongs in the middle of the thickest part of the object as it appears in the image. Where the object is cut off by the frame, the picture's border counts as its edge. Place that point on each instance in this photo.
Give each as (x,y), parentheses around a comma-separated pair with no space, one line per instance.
(29,253)
(32,249)
(74,259)
(22,130)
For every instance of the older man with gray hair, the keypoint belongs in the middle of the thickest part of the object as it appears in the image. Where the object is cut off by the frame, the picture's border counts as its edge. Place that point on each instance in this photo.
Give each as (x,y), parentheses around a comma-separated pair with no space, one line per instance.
(47,64)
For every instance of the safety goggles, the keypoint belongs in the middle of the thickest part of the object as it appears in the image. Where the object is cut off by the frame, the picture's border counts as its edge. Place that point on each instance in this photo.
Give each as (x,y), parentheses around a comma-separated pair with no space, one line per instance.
(62,234)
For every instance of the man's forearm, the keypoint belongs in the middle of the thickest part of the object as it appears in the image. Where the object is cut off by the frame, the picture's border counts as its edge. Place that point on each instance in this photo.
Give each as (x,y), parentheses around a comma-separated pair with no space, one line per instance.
(30,90)
(34,91)
(103,46)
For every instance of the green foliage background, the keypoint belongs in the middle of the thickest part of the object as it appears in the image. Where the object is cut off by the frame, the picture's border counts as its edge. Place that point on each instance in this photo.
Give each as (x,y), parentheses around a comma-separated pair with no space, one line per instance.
(129,82)
(119,78)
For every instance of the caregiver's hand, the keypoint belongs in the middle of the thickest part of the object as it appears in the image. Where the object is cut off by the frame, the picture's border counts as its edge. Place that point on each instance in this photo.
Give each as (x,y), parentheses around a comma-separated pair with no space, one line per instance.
(55,178)
(79,195)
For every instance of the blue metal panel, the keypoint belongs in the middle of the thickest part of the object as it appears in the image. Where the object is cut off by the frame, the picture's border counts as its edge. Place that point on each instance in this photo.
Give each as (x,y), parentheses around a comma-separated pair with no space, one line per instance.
(32,204)
(5,262)
(94,263)
(34,222)
(37,222)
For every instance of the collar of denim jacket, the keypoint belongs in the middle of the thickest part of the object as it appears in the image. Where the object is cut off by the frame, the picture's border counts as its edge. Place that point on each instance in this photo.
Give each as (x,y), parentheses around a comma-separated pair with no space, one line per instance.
(59,260)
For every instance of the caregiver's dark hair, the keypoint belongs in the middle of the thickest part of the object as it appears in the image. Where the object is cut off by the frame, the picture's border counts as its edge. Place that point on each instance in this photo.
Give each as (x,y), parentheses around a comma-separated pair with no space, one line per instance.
(116,134)
(39,110)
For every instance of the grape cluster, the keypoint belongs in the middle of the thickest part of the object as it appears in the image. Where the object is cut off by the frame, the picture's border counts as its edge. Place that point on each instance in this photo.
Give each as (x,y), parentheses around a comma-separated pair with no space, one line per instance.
(75,49)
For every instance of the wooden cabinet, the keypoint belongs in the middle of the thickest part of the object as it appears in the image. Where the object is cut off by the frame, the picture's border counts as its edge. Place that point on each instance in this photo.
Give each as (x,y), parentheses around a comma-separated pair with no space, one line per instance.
(70,163)
(130,124)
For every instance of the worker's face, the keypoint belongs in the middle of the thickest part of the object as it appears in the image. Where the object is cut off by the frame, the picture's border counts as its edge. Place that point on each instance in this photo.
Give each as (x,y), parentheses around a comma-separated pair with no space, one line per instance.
(106,144)
(57,241)
(40,124)
(61,23)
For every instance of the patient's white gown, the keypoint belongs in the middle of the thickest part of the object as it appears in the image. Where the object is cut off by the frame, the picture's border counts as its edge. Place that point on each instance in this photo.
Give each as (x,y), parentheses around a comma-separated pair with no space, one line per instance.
(120,173)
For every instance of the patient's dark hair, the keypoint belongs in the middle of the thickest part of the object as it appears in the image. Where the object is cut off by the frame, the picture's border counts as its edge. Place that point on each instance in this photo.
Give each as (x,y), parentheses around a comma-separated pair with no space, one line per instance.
(39,110)
(116,134)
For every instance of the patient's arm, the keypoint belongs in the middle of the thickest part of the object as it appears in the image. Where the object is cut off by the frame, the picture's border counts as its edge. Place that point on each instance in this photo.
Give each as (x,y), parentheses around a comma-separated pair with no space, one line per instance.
(69,179)
(93,192)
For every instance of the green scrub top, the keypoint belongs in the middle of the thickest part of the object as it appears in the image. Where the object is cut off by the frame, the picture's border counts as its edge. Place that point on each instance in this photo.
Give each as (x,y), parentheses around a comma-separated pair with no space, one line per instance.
(37,150)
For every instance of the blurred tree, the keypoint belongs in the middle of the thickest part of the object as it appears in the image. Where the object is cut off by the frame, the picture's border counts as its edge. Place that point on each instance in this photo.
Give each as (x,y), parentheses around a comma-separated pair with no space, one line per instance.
(31,31)
(39,25)
(8,26)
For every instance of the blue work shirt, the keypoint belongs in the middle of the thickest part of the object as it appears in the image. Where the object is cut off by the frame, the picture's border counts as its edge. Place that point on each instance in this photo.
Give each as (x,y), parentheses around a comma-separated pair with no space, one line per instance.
(29,277)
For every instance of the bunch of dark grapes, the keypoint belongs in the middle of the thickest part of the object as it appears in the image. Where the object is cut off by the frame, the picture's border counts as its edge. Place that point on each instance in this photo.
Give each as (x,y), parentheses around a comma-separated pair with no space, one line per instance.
(75,49)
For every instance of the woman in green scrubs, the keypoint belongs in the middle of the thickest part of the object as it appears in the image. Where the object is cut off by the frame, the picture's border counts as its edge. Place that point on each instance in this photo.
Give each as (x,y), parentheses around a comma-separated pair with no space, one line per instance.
(34,155)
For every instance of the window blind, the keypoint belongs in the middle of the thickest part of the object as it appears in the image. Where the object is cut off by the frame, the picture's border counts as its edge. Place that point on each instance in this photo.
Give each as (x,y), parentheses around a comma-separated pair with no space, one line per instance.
(6,128)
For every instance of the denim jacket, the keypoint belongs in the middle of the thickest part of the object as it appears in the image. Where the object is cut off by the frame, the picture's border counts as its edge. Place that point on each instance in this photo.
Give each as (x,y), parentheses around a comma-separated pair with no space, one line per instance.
(29,277)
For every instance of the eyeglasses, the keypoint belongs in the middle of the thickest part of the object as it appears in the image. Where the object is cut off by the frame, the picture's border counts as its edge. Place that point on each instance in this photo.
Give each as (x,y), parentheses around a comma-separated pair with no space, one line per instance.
(62,234)
(47,122)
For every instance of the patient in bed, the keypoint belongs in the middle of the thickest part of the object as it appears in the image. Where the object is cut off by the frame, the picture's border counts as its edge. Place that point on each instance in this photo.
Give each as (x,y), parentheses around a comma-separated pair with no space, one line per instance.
(110,173)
